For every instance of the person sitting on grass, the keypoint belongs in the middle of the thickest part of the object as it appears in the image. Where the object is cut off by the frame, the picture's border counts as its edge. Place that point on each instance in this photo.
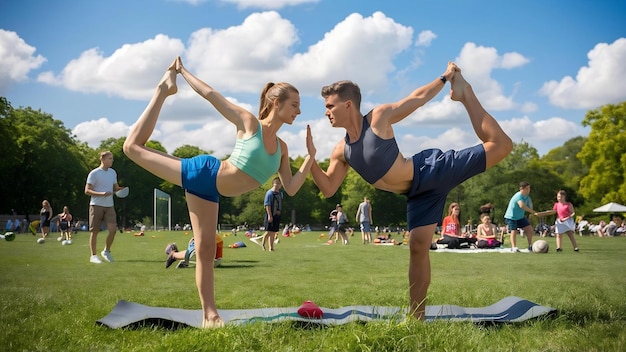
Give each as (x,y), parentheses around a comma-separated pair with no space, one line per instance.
(451,229)
(173,254)
(486,233)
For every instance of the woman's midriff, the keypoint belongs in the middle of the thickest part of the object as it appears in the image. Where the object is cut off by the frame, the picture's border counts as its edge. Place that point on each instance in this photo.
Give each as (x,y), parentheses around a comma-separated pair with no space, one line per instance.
(232,182)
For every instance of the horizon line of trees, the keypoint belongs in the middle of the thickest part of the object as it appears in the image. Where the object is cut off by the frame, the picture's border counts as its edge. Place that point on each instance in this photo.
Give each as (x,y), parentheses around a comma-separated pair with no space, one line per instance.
(41,159)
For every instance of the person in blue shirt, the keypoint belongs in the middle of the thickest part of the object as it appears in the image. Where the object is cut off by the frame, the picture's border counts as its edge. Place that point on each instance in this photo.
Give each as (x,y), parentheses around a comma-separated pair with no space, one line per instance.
(515,216)
(273,204)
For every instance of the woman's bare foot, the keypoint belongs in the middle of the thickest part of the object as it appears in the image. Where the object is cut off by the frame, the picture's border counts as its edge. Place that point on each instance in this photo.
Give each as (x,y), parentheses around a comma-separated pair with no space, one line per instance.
(213,323)
(458,86)
(168,82)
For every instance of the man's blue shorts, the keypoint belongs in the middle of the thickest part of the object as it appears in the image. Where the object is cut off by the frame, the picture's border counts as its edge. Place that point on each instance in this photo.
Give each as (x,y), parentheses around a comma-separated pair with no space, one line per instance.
(273,226)
(435,174)
(365,226)
(199,176)
(516,224)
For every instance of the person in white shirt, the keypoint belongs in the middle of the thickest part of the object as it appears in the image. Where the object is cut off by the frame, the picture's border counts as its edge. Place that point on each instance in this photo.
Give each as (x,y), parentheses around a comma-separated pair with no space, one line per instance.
(101,185)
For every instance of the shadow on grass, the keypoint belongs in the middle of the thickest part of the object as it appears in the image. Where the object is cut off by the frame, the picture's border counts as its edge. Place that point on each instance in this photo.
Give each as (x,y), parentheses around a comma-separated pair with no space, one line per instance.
(154,323)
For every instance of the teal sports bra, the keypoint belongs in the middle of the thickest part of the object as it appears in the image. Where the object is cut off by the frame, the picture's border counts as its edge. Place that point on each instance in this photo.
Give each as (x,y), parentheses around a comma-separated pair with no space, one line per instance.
(251,157)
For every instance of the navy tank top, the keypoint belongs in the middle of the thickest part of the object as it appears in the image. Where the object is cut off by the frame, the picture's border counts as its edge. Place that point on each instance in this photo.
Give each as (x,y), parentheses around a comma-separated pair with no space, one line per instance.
(370,156)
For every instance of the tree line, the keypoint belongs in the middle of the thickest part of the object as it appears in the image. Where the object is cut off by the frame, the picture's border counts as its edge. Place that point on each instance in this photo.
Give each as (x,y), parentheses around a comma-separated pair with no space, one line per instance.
(41,159)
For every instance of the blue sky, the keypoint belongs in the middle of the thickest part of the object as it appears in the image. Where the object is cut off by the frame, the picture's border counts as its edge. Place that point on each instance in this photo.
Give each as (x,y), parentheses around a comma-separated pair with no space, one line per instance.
(538,66)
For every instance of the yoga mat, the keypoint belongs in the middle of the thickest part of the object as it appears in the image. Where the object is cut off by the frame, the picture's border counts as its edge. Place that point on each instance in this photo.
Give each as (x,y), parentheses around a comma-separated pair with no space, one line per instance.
(509,309)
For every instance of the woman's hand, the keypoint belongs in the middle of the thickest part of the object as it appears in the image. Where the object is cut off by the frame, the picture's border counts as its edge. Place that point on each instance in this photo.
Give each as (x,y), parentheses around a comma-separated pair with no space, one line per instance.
(309,143)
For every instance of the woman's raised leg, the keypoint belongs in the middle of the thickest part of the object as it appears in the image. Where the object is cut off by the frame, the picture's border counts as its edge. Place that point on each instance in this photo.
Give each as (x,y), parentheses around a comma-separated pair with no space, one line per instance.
(160,164)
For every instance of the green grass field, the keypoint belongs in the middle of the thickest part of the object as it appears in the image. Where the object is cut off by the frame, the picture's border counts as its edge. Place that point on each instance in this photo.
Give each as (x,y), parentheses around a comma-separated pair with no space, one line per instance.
(51,295)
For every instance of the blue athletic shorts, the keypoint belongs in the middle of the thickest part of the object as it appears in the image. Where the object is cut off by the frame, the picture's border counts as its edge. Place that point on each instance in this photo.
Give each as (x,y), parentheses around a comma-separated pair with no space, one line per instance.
(435,174)
(516,224)
(199,176)
(365,226)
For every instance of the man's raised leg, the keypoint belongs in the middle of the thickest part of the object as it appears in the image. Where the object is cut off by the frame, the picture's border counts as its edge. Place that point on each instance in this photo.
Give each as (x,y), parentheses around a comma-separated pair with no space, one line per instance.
(497,143)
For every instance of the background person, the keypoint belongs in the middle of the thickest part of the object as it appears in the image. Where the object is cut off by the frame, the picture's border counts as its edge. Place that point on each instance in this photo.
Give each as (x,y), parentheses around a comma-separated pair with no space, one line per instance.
(364,218)
(273,203)
(101,185)
(451,229)
(611,228)
(564,222)
(515,216)
(342,224)
(45,215)
(486,233)
(65,224)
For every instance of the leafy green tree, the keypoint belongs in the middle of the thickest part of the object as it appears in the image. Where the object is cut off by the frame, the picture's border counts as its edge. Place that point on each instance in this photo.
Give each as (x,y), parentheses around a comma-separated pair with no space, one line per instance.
(604,153)
(43,160)
(564,161)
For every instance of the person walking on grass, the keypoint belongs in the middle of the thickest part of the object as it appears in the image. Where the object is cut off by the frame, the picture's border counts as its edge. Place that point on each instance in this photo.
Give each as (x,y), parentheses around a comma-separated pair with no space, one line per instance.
(342,225)
(515,217)
(258,154)
(370,148)
(101,185)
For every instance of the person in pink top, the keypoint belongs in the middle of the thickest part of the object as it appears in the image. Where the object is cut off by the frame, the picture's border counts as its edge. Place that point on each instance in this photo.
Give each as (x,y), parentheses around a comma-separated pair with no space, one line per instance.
(564,223)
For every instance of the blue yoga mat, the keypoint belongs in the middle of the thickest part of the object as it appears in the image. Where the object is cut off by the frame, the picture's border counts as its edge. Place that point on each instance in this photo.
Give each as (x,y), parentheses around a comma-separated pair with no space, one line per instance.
(509,309)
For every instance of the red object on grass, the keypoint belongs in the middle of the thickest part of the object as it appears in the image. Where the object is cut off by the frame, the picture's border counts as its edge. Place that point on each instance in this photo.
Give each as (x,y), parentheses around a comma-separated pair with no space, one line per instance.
(309,309)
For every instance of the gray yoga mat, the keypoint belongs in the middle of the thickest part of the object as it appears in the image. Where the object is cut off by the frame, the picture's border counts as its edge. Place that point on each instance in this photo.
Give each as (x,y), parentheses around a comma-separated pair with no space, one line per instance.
(509,309)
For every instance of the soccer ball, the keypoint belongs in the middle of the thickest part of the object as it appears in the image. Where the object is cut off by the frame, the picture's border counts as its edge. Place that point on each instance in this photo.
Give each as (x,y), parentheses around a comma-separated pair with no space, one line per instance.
(9,236)
(540,246)
(68,242)
(41,241)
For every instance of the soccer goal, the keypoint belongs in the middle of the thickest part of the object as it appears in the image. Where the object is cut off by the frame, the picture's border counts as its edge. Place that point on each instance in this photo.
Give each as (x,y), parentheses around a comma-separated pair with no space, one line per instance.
(162,210)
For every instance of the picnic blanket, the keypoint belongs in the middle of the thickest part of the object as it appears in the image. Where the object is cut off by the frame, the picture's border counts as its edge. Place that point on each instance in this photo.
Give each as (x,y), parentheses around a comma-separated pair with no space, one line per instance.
(509,309)
(478,250)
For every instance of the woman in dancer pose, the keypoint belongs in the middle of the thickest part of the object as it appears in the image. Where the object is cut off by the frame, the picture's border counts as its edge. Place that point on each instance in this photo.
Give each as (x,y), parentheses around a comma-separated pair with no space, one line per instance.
(257,156)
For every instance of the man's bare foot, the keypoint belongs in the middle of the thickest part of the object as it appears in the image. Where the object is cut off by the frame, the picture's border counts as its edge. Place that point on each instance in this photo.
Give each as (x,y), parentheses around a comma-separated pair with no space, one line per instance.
(168,82)
(458,86)
(213,323)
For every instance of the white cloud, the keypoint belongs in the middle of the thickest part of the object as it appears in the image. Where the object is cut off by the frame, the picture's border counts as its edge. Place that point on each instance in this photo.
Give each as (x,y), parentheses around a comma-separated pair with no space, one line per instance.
(335,57)
(542,132)
(18,59)
(95,131)
(233,58)
(425,38)
(601,82)
(479,62)
(267,4)
(131,72)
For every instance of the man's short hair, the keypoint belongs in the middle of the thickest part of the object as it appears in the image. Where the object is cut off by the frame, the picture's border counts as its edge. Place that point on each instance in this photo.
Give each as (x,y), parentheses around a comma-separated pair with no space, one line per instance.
(524,184)
(345,90)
